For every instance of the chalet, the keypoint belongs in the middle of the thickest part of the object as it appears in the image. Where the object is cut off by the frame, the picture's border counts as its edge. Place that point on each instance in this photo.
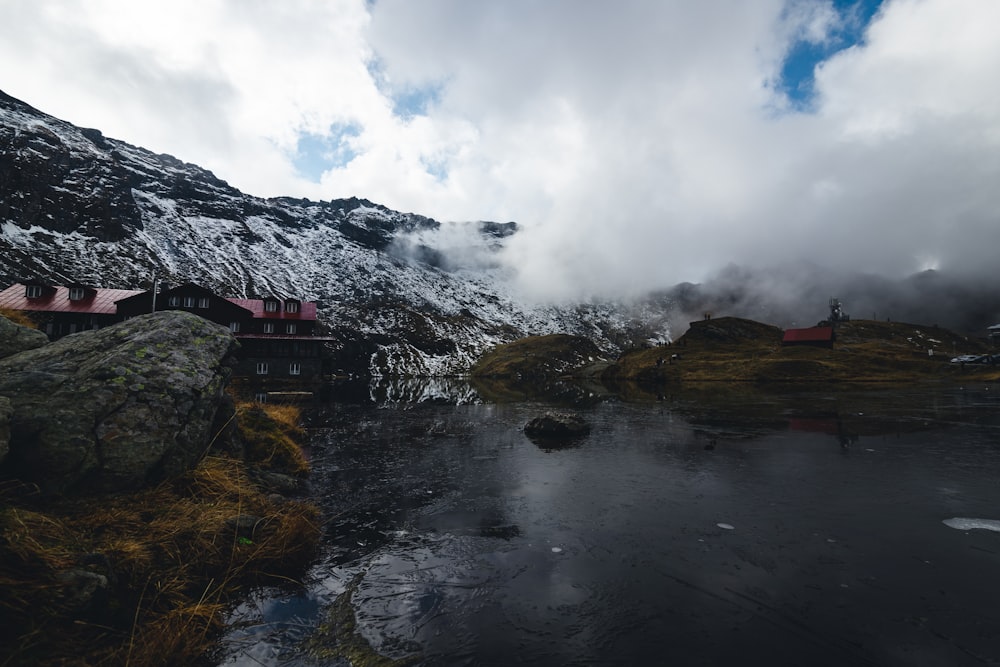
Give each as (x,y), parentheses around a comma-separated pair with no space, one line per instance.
(821,336)
(277,335)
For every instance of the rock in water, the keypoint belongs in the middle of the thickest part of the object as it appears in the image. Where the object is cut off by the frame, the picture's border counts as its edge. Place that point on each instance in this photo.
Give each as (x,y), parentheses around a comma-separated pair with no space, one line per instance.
(14,338)
(556,425)
(116,408)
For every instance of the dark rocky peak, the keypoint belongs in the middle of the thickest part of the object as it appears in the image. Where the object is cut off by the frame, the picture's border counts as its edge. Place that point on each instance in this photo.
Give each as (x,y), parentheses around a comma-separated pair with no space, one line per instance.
(57,177)
(499,230)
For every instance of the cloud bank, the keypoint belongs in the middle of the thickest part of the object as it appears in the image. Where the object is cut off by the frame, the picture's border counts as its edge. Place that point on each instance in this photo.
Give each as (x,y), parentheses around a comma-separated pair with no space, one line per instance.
(637,144)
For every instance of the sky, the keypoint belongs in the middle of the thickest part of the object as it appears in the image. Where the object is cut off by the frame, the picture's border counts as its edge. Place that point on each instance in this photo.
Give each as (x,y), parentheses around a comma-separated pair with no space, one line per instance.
(638,143)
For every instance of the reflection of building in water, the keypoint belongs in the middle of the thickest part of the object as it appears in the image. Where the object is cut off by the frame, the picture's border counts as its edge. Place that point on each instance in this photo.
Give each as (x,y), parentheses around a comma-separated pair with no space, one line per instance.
(829,425)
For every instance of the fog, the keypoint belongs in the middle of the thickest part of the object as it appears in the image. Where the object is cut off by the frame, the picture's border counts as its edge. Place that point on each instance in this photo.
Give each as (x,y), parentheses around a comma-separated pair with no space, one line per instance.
(638,145)
(798,295)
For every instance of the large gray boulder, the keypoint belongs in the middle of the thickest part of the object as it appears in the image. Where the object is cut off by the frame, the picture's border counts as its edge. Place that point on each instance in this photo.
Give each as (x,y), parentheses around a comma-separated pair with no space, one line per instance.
(15,338)
(116,408)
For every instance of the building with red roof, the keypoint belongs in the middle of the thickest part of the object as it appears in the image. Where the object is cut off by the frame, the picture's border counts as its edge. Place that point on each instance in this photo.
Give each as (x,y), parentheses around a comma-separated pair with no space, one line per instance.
(822,336)
(277,335)
(61,310)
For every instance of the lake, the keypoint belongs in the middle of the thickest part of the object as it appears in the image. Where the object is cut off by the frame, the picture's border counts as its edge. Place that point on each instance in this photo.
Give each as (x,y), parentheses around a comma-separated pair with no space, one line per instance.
(713,527)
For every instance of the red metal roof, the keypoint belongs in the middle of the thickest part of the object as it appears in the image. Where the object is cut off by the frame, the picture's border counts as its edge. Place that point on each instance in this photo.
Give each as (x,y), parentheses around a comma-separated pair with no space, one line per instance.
(103,302)
(100,302)
(810,335)
(307,309)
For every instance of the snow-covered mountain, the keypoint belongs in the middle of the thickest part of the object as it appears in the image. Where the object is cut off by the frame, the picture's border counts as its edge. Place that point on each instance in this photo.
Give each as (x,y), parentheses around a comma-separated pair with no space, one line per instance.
(402,293)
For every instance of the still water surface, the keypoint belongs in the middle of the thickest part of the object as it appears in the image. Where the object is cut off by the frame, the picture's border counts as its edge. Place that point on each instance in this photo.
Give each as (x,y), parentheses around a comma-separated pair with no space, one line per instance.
(710,529)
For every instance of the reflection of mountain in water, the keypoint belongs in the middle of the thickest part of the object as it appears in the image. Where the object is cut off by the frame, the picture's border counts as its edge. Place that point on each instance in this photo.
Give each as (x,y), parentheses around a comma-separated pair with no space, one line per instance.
(462,538)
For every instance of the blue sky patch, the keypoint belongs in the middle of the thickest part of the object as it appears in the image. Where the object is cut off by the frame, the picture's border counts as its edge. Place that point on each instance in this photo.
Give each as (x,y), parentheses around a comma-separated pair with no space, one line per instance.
(318,153)
(414,101)
(408,101)
(436,167)
(797,80)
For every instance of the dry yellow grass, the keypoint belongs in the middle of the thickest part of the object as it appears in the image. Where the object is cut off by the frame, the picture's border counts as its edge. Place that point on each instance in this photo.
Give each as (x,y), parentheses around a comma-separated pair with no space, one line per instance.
(18,317)
(176,556)
(270,434)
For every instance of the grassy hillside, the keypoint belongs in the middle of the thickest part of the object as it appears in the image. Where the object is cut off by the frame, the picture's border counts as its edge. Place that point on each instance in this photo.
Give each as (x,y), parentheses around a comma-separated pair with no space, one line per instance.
(551,356)
(866,351)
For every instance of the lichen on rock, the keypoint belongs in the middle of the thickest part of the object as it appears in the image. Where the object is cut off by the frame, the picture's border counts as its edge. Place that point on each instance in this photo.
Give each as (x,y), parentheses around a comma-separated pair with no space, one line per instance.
(15,338)
(91,413)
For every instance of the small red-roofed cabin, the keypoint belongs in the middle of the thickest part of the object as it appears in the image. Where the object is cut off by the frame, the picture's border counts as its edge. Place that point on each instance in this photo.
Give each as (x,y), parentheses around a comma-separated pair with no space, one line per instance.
(814,336)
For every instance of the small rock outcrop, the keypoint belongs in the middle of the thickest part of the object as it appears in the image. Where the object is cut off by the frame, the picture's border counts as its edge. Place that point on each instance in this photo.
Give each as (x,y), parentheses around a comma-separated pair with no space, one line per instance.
(554,425)
(15,338)
(116,408)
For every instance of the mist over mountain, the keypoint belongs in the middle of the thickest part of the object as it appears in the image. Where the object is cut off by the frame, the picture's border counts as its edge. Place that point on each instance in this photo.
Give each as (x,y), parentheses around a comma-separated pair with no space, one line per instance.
(797,295)
(401,292)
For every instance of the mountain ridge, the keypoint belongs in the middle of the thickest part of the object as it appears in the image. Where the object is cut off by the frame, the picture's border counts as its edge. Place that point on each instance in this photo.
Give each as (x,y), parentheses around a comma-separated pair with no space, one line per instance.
(403,294)
(82,207)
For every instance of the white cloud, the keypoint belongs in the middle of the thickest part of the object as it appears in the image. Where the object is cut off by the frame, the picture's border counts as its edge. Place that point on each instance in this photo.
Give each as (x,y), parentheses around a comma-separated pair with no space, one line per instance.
(638,144)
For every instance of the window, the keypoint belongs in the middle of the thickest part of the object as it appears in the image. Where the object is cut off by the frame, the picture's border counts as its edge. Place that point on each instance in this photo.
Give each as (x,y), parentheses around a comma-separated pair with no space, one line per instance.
(174,301)
(268,327)
(290,328)
(234,327)
(75,293)
(189,302)
(291,306)
(203,302)
(260,397)
(271,306)
(294,369)
(261,368)
(33,291)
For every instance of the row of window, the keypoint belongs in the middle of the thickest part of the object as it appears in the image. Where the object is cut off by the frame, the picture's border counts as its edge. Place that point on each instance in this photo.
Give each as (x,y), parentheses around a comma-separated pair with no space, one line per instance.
(61,329)
(290,328)
(260,347)
(294,368)
(176,301)
(271,306)
(188,301)
(35,291)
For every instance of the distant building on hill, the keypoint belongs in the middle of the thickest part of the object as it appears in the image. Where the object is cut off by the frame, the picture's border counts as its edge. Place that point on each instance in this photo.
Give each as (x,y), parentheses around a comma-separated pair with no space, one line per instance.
(823,334)
(814,336)
(277,335)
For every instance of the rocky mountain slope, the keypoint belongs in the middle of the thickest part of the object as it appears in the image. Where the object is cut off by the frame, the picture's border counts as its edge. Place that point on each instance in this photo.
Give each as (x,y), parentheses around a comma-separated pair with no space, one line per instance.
(403,294)
(76,206)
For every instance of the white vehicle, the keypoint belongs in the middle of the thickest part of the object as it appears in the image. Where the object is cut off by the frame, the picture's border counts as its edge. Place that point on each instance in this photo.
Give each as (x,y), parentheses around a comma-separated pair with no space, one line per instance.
(966,359)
